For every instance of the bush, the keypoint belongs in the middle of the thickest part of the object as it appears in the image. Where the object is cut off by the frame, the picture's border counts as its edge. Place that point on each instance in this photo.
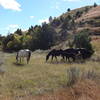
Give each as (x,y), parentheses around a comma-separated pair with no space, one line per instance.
(82,40)
(73,74)
(90,74)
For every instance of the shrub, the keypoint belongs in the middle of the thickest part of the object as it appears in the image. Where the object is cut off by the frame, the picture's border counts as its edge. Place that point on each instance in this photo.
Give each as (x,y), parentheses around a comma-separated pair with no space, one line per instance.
(83,40)
(90,74)
(73,74)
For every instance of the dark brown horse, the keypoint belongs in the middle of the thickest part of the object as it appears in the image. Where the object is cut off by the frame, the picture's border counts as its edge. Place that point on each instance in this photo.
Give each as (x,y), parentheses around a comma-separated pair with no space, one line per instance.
(68,54)
(53,53)
(85,53)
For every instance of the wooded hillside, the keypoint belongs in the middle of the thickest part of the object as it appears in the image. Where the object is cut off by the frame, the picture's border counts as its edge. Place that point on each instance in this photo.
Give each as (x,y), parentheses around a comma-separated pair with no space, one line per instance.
(58,30)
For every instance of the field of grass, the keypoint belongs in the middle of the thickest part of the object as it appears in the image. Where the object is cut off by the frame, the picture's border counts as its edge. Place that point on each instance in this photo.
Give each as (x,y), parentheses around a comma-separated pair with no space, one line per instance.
(38,77)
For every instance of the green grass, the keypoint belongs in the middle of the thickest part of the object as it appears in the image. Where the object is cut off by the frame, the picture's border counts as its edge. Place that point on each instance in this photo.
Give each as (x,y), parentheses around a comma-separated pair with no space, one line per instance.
(34,78)
(37,77)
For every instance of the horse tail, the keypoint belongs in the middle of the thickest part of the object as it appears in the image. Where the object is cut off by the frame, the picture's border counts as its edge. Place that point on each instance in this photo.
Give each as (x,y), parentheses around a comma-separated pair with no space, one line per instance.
(29,56)
(47,57)
(17,56)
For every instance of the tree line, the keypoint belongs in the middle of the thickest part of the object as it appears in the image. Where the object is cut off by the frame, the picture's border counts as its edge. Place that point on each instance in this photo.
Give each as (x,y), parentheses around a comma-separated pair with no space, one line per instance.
(37,37)
(45,36)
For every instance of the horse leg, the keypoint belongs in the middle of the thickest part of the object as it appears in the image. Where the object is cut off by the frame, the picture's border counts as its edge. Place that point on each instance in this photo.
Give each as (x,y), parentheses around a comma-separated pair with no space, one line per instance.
(67,58)
(52,58)
(20,59)
(27,60)
(63,58)
(73,59)
(17,60)
(56,58)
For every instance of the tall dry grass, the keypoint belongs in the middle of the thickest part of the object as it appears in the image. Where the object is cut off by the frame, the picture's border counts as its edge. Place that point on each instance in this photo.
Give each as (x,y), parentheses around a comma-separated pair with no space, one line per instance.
(24,81)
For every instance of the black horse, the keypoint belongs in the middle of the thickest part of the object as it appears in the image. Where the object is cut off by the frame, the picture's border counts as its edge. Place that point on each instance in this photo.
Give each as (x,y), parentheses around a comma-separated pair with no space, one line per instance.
(53,53)
(70,53)
(85,53)
(68,56)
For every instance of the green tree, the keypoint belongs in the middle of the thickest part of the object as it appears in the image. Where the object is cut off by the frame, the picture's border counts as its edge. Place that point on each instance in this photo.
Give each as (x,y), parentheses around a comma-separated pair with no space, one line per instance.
(18,31)
(35,41)
(31,30)
(50,19)
(68,10)
(82,40)
(15,44)
(67,22)
(25,41)
(95,5)
(61,18)
(6,40)
(78,14)
(47,37)
(56,22)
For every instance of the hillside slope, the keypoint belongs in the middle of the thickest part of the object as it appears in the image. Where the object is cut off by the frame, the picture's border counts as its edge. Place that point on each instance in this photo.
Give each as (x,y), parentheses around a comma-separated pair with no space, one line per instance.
(91,20)
(85,18)
(93,13)
(58,31)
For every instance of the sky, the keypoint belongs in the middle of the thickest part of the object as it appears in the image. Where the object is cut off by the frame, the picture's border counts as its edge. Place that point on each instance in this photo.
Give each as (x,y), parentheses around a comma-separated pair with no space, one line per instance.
(22,14)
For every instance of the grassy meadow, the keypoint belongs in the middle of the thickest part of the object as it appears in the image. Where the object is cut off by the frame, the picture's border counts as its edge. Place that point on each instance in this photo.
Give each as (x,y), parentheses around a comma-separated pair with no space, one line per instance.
(39,77)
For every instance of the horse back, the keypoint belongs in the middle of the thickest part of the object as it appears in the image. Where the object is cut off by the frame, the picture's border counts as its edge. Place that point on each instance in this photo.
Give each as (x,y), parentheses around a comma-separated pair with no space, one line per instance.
(71,51)
(24,53)
(85,53)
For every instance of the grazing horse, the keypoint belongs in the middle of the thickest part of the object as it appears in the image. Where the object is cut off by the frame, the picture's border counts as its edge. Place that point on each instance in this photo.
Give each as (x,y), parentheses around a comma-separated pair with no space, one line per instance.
(71,51)
(53,53)
(85,53)
(68,54)
(22,54)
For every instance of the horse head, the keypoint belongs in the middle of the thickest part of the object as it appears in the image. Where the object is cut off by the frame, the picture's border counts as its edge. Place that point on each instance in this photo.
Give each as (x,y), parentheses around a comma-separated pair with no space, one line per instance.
(48,55)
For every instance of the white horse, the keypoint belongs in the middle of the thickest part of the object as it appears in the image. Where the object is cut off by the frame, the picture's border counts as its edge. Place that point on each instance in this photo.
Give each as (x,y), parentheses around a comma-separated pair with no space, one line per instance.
(21,54)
